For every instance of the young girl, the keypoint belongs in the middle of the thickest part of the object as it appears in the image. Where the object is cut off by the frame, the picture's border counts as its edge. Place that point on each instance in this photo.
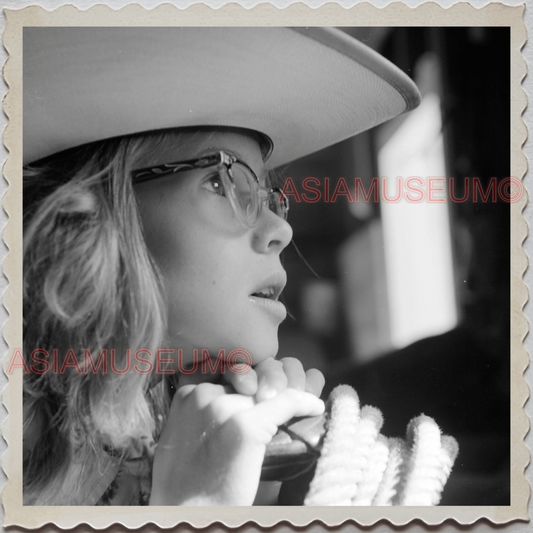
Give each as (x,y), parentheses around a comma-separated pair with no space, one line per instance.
(161,244)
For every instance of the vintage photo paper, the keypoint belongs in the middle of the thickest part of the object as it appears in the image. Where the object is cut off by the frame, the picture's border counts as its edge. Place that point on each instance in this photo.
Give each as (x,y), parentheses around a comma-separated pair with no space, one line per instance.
(404,280)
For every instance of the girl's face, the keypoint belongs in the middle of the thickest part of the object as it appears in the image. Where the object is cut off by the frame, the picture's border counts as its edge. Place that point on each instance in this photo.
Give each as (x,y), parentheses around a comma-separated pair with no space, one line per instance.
(213,267)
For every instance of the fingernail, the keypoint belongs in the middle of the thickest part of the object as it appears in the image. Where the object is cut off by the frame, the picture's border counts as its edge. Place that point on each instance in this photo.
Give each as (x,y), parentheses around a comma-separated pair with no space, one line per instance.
(266,393)
(246,383)
(249,384)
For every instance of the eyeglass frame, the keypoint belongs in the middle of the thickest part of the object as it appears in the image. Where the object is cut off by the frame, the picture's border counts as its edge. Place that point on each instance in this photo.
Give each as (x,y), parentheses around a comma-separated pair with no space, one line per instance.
(224,162)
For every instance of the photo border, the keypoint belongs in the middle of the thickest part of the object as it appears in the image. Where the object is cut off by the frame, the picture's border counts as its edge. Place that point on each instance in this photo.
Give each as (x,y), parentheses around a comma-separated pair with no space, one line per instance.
(397,14)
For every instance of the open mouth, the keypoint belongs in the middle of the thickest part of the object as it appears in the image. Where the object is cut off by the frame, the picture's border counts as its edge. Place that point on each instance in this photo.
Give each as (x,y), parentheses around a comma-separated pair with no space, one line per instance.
(265,296)
(271,288)
(269,293)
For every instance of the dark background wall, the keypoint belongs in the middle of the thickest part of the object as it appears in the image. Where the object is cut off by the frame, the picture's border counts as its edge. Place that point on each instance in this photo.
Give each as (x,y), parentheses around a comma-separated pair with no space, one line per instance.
(460,377)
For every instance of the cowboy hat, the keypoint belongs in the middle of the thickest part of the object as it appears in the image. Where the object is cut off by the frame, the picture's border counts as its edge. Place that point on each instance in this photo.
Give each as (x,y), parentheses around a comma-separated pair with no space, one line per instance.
(304,88)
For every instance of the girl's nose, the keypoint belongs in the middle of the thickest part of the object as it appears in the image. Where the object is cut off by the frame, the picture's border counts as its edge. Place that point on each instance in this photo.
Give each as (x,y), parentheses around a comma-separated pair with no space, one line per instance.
(271,234)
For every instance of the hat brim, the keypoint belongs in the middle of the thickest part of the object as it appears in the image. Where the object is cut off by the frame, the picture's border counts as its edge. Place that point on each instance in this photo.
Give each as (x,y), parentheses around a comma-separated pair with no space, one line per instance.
(304,88)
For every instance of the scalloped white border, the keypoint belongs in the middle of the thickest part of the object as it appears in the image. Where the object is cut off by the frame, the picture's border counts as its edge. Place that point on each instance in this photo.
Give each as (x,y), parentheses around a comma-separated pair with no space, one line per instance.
(295,14)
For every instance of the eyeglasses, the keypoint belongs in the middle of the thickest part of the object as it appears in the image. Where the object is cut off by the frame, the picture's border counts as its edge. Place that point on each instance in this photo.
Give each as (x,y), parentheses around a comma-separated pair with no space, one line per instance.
(240,185)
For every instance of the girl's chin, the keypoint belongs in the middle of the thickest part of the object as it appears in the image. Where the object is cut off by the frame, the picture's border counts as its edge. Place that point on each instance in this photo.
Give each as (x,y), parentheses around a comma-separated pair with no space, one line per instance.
(210,363)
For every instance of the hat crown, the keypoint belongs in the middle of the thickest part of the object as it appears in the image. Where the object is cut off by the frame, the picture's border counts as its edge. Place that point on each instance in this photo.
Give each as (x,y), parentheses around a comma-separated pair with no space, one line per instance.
(304,88)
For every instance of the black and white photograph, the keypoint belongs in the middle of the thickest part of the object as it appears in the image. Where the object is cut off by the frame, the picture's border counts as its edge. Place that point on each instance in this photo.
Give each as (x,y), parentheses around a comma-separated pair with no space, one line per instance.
(263,266)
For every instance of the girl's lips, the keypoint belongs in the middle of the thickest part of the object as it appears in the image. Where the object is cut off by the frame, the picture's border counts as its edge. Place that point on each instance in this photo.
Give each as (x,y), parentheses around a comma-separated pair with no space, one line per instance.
(271,287)
(273,307)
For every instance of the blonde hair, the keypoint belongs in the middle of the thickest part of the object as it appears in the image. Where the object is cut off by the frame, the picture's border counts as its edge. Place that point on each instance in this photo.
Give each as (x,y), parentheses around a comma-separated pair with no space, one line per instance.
(89,284)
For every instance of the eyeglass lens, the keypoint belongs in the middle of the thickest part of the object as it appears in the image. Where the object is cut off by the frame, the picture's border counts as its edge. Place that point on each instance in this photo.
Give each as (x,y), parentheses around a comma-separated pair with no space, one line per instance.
(248,195)
(244,186)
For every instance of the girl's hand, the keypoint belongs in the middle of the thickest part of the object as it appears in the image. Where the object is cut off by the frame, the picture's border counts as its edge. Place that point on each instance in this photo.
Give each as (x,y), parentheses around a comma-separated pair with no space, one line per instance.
(212,447)
(272,376)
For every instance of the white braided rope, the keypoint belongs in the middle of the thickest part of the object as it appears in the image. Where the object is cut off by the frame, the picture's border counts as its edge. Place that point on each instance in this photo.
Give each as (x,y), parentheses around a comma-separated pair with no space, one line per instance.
(359,466)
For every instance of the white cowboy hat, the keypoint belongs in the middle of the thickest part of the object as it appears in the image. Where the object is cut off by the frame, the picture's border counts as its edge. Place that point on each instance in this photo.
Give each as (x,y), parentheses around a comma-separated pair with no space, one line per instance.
(304,88)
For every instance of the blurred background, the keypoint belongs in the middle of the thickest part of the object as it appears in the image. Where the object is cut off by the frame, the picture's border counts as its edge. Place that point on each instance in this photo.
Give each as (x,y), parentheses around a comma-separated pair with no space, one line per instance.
(410,302)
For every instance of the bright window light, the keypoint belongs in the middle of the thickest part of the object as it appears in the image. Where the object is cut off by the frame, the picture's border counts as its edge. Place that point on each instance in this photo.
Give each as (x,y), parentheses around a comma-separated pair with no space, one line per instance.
(419,268)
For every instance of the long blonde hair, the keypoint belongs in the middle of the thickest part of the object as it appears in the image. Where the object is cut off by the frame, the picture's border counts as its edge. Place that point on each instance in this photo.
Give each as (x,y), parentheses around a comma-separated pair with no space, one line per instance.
(89,285)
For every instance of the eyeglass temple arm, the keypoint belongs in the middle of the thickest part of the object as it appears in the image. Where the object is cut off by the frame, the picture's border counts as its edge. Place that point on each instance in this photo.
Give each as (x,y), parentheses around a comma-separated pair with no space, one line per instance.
(158,171)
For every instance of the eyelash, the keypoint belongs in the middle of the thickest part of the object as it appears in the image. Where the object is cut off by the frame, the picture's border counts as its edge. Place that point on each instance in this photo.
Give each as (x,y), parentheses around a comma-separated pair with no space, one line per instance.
(219,189)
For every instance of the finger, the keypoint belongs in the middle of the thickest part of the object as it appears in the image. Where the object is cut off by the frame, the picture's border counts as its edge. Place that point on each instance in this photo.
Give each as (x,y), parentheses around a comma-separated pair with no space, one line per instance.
(295,373)
(197,377)
(202,395)
(184,391)
(286,405)
(315,381)
(272,379)
(226,406)
(244,383)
